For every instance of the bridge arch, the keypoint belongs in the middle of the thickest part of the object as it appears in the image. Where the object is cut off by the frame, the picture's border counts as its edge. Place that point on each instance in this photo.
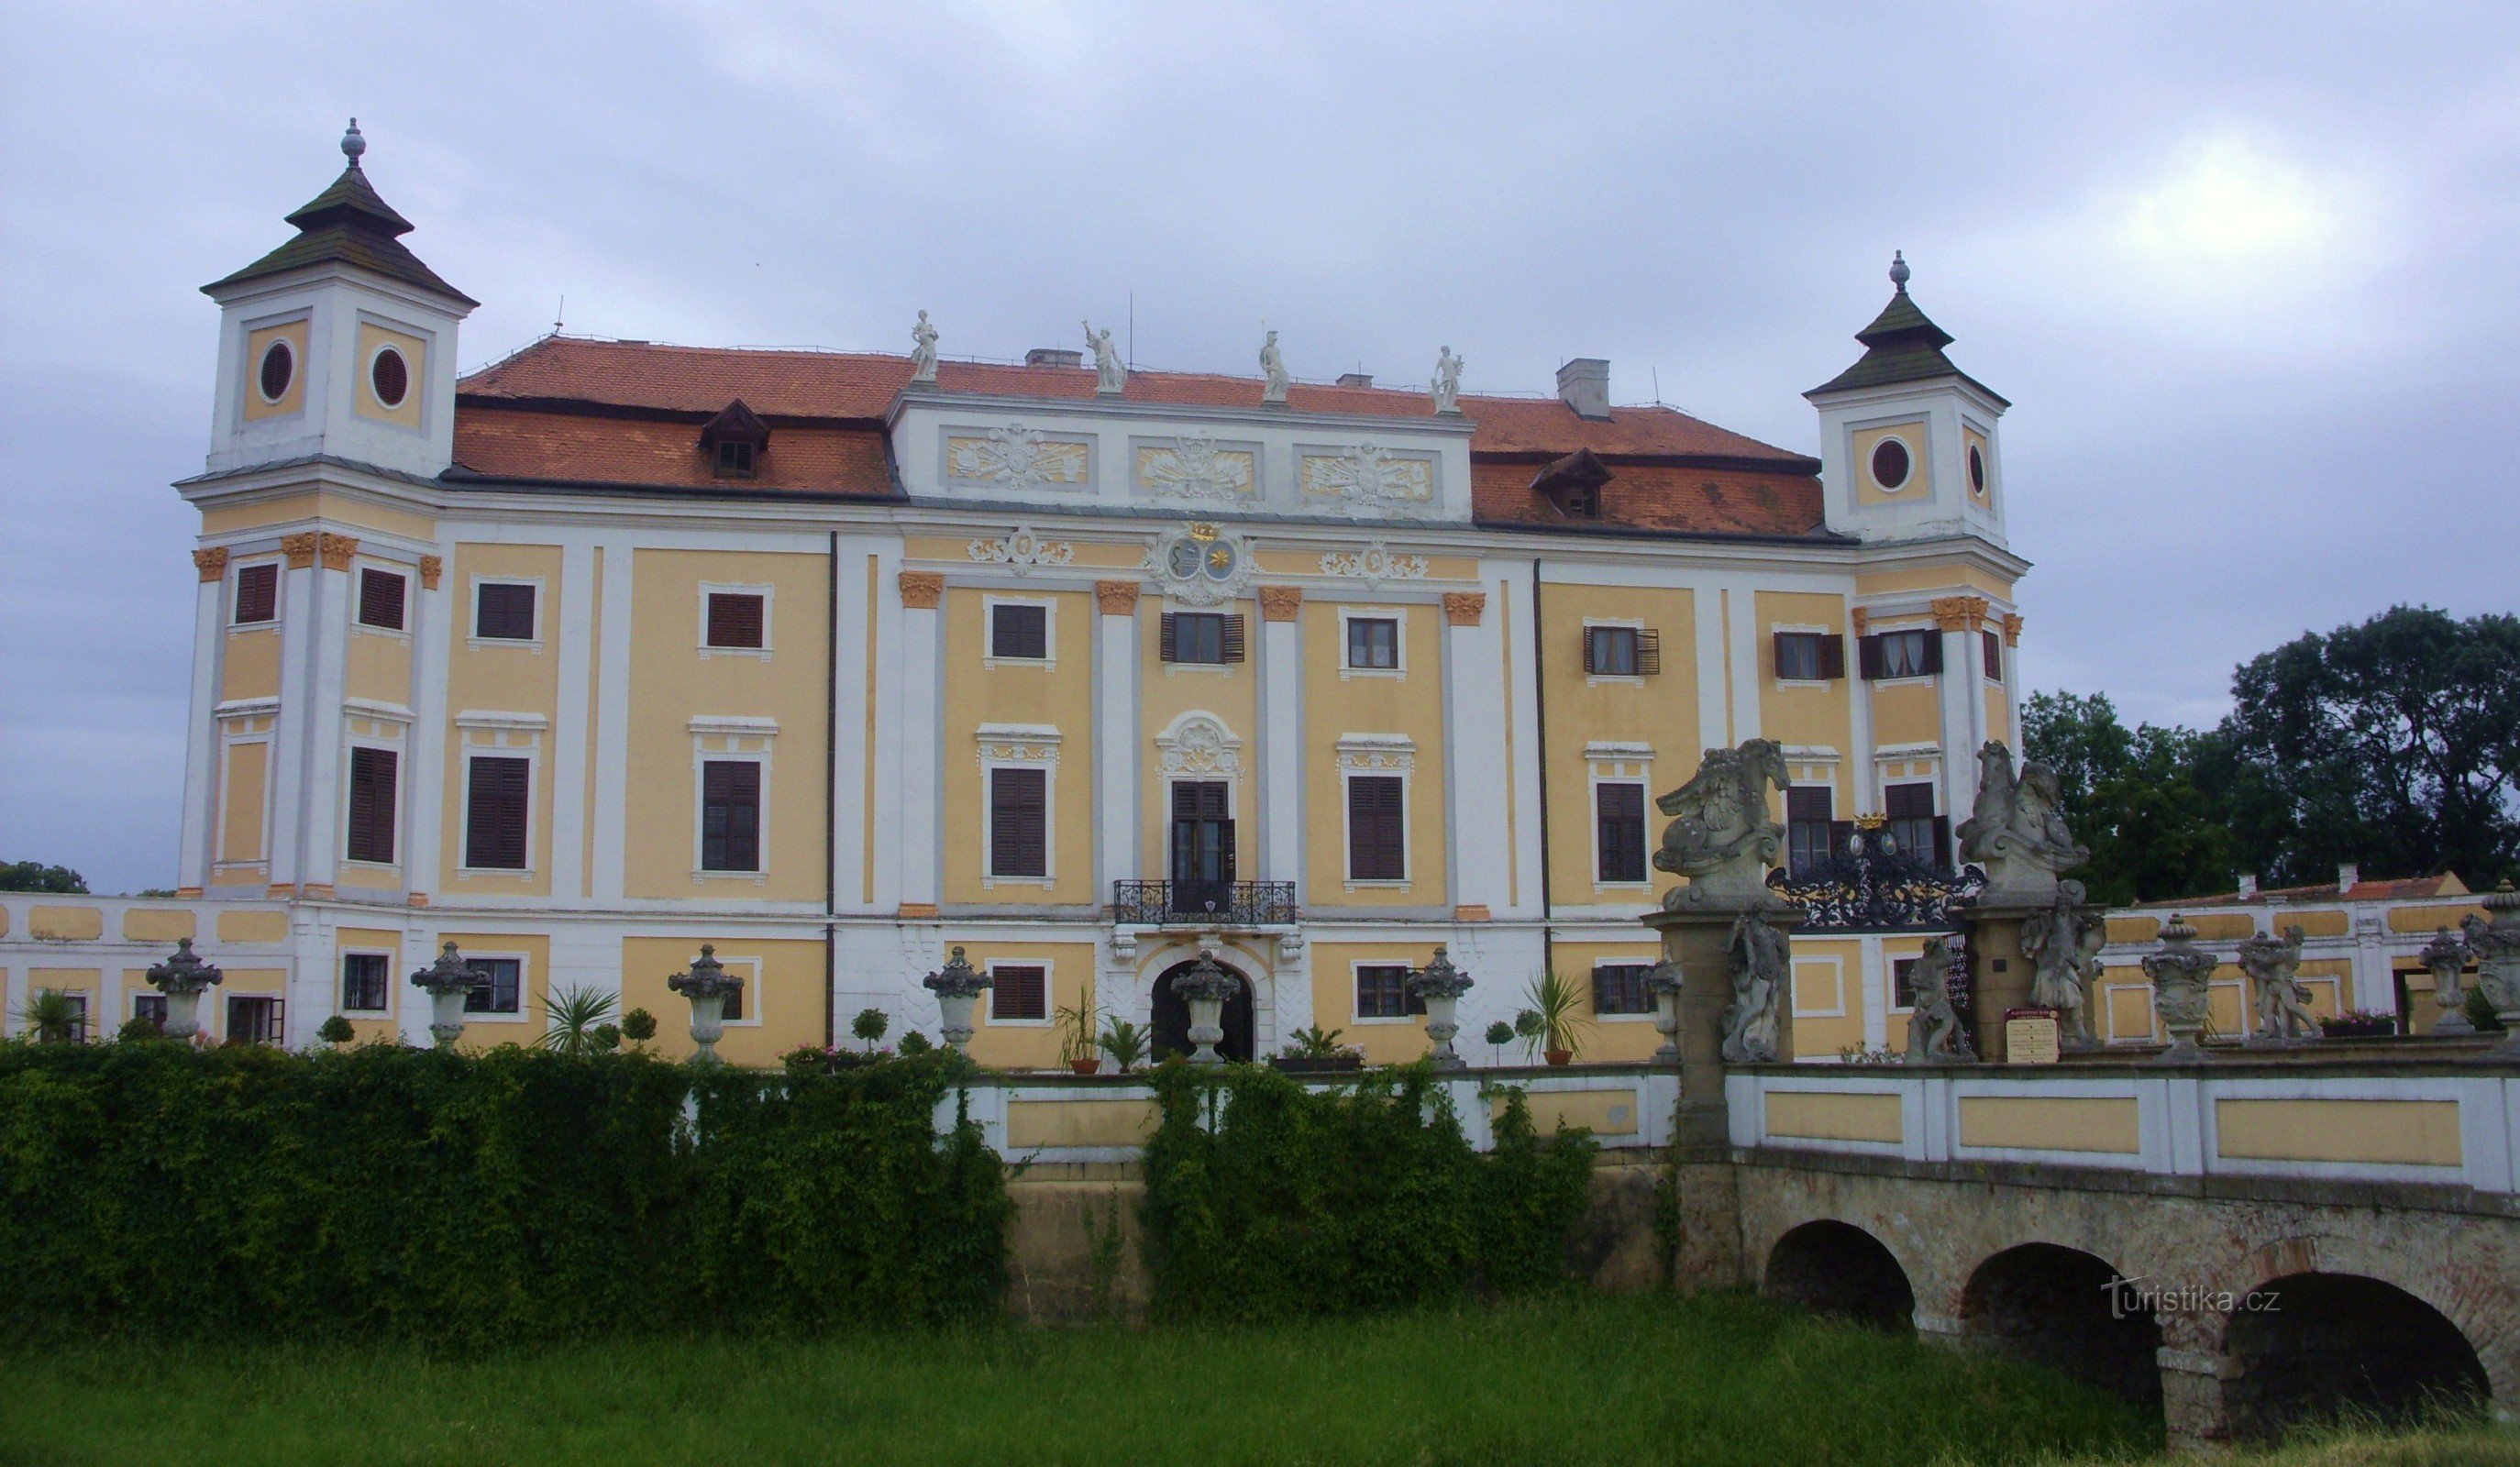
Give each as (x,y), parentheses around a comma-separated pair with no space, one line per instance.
(2068,1309)
(1833,1268)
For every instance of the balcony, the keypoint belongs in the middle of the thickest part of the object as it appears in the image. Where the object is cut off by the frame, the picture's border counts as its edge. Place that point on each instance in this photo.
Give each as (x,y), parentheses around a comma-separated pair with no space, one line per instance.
(1211,903)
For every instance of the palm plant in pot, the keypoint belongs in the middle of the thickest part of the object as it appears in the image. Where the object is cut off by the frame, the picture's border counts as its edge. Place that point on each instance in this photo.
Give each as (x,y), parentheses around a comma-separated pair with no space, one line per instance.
(1561,1005)
(1126,1044)
(1315,1051)
(1078,1042)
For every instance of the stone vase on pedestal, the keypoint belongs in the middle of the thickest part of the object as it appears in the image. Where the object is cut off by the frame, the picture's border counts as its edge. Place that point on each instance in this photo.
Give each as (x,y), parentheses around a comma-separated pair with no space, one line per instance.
(1663,982)
(183,978)
(2178,974)
(1441,986)
(1205,987)
(2447,957)
(957,987)
(2496,946)
(707,987)
(448,982)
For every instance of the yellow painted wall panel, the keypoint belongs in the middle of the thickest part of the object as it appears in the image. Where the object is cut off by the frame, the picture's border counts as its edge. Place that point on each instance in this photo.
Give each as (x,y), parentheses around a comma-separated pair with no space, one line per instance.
(159,924)
(1659,711)
(1057,694)
(374,339)
(1122,1121)
(1918,486)
(2426,919)
(2320,923)
(489,675)
(1602,1112)
(377,667)
(253,926)
(784,993)
(1026,1044)
(2222,926)
(244,800)
(64,924)
(2134,929)
(1804,713)
(1228,693)
(1385,1042)
(251,667)
(1956,576)
(1409,705)
(2052,1123)
(1835,1116)
(2399,1133)
(340,509)
(293,398)
(1905,712)
(1612,1039)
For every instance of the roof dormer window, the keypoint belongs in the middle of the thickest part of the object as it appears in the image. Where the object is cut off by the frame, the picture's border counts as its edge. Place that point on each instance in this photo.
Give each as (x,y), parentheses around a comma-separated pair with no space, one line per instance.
(734,442)
(733,460)
(1573,484)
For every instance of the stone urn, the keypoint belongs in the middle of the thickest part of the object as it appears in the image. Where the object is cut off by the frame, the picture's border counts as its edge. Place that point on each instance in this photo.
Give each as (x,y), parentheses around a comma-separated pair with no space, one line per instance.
(2496,946)
(956,986)
(1207,987)
(1440,985)
(2178,973)
(448,982)
(1663,982)
(183,978)
(707,986)
(2447,956)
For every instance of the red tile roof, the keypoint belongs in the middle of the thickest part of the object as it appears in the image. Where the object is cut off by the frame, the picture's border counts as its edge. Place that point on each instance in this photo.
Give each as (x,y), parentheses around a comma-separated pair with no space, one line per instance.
(572,409)
(2402,889)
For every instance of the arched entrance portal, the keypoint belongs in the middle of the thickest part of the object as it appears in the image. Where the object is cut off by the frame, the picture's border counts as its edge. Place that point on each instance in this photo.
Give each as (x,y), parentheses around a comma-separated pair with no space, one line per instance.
(2064,1308)
(2325,1345)
(1833,1268)
(1169,1016)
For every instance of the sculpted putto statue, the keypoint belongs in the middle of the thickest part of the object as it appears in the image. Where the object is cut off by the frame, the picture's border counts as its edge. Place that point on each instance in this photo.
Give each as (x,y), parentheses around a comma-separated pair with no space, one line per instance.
(1272,369)
(2017,827)
(1725,838)
(1760,962)
(2063,943)
(1933,1025)
(2283,1001)
(922,351)
(1447,386)
(1111,373)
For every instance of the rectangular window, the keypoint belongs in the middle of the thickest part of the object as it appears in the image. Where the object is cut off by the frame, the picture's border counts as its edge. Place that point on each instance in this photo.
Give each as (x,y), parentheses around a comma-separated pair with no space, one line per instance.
(494,813)
(1809,809)
(1810,657)
(1903,983)
(731,1011)
(733,460)
(372,804)
(1622,651)
(1019,993)
(1620,810)
(1914,653)
(257,593)
(735,619)
(380,598)
(150,1007)
(1913,821)
(1375,848)
(1992,644)
(731,815)
(1374,642)
(1019,632)
(1205,637)
(1382,992)
(1620,988)
(254,1021)
(500,989)
(504,611)
(1018,823)
(363,982)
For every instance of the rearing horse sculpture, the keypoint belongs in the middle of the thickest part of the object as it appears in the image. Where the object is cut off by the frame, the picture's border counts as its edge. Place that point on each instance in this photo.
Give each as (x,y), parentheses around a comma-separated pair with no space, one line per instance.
(1725,838)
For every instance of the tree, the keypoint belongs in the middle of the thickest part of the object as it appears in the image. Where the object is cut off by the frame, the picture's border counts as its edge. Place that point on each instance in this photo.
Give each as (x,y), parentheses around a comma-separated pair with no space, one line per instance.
(2394,744)
(2156,830)
(35,875)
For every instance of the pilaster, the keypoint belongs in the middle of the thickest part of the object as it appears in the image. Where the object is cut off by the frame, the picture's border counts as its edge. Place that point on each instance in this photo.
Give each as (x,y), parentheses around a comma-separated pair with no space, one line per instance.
(202,727)
(1117,736)
(609,741)
(328,657)
(1474,724)
(921,697)
(575,610)
(1958,619)
(1282,739)
(425,780)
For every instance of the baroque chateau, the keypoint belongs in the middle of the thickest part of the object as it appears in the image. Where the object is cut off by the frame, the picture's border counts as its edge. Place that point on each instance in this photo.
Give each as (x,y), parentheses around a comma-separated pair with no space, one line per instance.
(838,661)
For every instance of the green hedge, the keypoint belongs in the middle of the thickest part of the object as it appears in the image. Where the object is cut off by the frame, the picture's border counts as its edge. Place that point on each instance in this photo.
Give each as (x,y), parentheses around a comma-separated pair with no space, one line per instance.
(1266,1200)
(149,1189)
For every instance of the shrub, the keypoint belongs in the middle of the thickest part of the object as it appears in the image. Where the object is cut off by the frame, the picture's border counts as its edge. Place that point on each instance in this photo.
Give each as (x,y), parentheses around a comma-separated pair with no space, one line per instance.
(1264,1200)
(638,1026)
(334,1030)
(464,1199)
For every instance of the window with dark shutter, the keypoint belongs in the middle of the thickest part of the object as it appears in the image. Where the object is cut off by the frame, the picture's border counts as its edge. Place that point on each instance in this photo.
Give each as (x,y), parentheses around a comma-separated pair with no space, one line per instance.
(380,598)
(1019,632)
(1203,637)
(736,620)
(372,804)
(1619,811)
(1611,651)
(731,815)
(1914,653)
(504,611)
(1374,642)
(151,1006)
(1620,988)
(1375,848)
(1992,644)
(494,813)
(257,593)
(1913,821)
(363,982)
(1809,656)
(1228,638)
(1382,992)
(1018,823)
(1019,993)
(501,987)
(1807,826)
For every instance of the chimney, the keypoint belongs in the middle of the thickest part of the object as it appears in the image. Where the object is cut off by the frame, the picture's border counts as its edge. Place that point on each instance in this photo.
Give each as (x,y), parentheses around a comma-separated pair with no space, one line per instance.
(1054,356)
(1356,379)
(1584,384)
(2249,886)
(2348,877)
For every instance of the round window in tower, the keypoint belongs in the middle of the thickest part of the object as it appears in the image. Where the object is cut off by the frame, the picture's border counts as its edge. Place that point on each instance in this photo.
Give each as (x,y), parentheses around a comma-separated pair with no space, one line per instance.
(278,370)
(1977,470)
(1890,463)
(391,376)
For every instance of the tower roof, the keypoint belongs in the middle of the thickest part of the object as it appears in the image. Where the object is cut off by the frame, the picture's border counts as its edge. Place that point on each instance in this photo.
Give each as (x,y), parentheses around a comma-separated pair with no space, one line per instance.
(348,223)
(1901,345)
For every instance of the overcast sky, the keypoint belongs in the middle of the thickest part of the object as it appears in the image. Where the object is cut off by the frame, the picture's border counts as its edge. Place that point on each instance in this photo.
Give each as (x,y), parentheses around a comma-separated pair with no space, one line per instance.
(2246,272)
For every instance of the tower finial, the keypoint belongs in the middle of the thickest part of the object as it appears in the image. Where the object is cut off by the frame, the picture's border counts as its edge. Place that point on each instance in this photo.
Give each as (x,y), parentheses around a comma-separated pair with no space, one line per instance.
(1899,271)
(352,145)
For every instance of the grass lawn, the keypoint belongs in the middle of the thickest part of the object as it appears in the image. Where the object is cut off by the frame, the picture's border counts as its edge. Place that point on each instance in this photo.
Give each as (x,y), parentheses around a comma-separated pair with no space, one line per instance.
(1710,1379)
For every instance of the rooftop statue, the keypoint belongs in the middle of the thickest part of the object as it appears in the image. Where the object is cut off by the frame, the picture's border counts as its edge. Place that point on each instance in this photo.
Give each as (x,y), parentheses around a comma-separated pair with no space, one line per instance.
(2063,944)
(922,353)
(2017,828)
(1273,368)
(1447,386)
(1725,837)
(1110,374)
(2283,1001)
(1760,964)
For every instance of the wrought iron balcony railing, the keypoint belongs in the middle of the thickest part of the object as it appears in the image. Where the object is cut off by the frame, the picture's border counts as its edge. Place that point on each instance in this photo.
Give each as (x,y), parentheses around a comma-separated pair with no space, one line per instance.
(1223,903)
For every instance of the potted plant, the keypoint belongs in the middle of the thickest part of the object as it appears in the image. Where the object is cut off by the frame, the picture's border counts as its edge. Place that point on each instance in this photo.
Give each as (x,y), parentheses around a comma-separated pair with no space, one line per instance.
(579,1021)
(1560,1004)
(1500,1034)
(1315,1051)
(869,1026)
(1529,1027)
(1126,1044)
(2359,1023)
(1078,1043)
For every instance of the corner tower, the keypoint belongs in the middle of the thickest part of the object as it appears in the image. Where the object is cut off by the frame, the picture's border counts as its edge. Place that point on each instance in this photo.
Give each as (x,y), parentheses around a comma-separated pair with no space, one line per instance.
(339,343)
(1909,449)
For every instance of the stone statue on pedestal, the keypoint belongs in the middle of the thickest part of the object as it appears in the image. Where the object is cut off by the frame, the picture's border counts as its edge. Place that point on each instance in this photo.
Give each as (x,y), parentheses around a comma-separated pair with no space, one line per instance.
(2017,828)
(922,351)
(1725,838)
(1761,968)
(2283,1005)
(2063,944)
(1934,1034)
(1273,372)
(1447,386)
(2447,956)
(1111,373)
